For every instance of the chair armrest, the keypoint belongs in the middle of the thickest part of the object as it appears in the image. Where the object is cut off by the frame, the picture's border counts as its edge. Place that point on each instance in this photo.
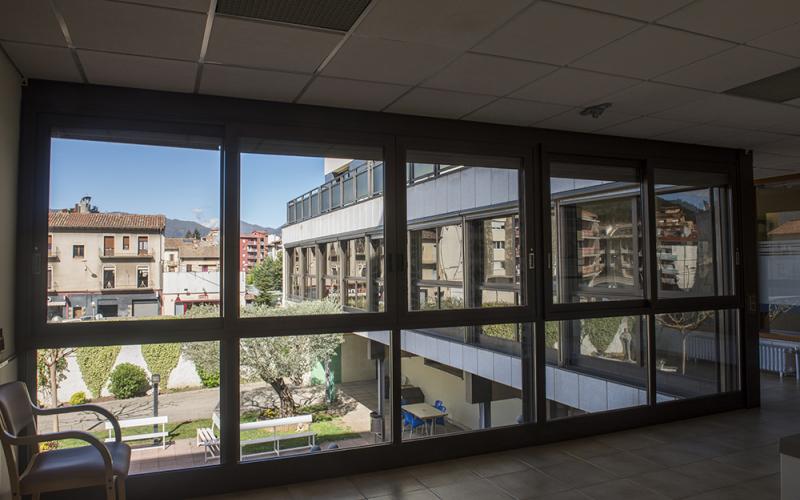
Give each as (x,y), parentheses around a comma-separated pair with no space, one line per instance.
(57,436)
(88,407)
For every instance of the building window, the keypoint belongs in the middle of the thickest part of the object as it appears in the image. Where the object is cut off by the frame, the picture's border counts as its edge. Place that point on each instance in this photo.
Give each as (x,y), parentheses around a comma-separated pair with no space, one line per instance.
(49,278)
(77,251)
(126,242)
(356,274)
(49,245)
(437,268)
(109,278)
(310,273)
(495,262)
(188,268)
(143,242)
(142,277)
(108,246)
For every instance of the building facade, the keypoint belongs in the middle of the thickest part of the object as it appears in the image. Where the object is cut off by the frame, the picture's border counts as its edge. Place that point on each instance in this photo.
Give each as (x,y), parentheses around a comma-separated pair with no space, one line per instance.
(103,264)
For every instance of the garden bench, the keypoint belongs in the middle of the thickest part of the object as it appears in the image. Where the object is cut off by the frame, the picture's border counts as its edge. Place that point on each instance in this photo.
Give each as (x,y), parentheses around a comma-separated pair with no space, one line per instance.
(141,422)
(207,436)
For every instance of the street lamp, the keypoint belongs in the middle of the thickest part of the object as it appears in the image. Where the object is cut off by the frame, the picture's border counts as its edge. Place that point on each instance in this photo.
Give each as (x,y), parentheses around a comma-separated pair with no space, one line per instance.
(155,379)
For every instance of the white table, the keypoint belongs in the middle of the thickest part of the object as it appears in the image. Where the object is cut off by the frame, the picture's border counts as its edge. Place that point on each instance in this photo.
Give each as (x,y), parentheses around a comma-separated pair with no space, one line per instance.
(426,413)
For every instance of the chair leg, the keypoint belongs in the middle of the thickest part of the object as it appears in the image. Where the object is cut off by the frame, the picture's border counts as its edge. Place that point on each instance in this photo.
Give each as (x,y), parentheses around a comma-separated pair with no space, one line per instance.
(120,483)
(110,491)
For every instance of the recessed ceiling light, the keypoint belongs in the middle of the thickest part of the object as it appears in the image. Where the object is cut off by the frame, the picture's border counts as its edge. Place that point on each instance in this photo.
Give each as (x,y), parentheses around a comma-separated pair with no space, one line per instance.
(596,110)
(336,15)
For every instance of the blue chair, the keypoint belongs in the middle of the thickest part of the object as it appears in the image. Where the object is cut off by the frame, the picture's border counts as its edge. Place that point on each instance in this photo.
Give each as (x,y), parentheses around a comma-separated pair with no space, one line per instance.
(441,407)
(411,422)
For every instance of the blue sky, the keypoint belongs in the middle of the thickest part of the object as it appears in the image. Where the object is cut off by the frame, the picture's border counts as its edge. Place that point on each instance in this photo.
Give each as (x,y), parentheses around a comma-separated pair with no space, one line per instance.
(177,182)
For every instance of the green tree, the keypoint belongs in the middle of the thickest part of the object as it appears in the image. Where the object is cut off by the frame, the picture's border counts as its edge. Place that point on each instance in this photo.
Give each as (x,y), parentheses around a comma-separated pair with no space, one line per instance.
(275,360)
(196,234)
(267,276)
(51,365)
(188,234)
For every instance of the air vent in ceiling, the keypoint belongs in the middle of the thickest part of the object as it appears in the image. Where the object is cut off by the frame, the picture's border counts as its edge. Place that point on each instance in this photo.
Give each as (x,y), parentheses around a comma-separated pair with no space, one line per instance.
(776,88)
(336,15)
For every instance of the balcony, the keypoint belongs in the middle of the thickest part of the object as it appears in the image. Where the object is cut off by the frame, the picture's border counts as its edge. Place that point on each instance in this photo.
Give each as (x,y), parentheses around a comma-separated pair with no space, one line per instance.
(53,254)
(110,254)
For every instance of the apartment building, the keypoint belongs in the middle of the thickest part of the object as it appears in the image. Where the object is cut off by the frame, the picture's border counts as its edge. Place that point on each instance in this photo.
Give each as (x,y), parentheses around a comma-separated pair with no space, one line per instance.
(103,264)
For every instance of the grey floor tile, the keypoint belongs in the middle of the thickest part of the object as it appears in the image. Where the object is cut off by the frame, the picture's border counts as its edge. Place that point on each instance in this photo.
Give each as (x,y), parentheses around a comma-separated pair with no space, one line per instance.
(709,474)
(479,489)
(441,473)
(327,489)
(621,489)
(542,456)
(669,455)
(409,495)
(629,440)
(493,464)
(529,484)
(578,473)
(761,461)
(624,464)
(669,483)
(766,488)
(586,448)
(387,482)
(565,495)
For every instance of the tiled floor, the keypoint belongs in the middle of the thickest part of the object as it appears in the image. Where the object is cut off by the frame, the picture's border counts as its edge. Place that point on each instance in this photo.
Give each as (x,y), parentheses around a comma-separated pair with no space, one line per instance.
(731,456)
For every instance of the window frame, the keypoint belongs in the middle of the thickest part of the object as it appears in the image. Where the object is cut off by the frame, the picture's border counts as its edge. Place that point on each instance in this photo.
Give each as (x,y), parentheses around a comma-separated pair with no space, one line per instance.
(49,103)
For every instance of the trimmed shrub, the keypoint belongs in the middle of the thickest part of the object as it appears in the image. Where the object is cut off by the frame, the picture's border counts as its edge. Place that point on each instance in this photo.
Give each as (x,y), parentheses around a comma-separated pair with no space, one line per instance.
(551,332)
(161,359)
(78,398)
(601,331)
(128,381)
(208,379)
(95,364)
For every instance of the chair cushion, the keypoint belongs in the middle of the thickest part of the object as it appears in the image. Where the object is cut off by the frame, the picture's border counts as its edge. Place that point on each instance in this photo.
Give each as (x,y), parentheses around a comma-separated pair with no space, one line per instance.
(73,468)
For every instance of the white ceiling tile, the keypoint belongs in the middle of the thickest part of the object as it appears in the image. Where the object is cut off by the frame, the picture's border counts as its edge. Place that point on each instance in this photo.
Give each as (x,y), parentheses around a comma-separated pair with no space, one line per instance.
(573,87)
(789,123)
(44,62)
(251,83)
(785,41)
(788,147)
(133,29)
(733,111)
(738,20)
(139,72)
(730,69)
(388,61)
(715,135)
(763,159)
(482,74)
(354,94)
(257,44)
(555,34)
(194,5)
(793,102)
(30,21)
(646,10)
(438,103)
(644,127)
(573,120)
(651,51)
(448,23)
(516,112)
(648,97)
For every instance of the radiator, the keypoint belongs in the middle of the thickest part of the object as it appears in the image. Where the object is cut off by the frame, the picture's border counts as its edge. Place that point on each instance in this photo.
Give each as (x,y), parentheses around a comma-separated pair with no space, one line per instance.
(778,358)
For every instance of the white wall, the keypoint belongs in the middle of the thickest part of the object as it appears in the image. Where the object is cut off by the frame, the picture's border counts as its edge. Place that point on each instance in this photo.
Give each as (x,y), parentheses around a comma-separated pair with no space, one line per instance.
(9,147)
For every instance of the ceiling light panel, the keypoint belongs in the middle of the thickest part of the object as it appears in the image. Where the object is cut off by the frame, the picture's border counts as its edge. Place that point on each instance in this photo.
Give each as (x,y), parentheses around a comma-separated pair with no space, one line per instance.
(339,15)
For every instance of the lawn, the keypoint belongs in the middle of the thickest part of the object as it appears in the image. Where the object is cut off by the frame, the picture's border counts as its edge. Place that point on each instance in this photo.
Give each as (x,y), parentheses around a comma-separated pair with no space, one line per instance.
(327,431)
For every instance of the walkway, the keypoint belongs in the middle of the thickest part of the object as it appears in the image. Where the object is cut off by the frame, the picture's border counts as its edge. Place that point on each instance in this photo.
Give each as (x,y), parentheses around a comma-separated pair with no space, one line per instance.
(730,456)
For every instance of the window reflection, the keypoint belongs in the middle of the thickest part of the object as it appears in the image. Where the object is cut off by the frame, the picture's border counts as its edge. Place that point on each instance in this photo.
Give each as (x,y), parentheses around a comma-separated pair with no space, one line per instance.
(597,235)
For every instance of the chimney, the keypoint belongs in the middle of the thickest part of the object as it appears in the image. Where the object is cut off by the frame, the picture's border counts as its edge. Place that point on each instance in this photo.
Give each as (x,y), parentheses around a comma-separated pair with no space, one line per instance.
(84,205)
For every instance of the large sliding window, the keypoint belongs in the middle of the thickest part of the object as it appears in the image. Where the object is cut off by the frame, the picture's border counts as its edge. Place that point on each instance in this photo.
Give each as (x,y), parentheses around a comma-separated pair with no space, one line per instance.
(372,288)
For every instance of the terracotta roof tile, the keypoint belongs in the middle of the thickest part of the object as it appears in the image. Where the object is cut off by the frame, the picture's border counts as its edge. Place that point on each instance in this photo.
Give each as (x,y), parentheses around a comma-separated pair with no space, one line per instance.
(133,222)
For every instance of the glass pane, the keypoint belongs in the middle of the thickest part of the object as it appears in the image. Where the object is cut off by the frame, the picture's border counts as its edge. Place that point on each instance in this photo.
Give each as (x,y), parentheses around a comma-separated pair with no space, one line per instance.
(693,234)
(362,185)
(120,250)
(697,354)
(377,178)
(312,281)
(597,235)
(779,259)
(165,396)
(595,365)
(349,194)
(463,221)
(314,393)
(460,379)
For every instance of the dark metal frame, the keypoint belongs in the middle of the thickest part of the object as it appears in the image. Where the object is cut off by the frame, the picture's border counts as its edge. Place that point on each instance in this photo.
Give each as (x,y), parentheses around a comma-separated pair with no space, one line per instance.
(48,104)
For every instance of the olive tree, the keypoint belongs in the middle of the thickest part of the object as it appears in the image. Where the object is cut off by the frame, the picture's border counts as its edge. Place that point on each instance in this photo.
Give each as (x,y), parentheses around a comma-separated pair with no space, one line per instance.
(51,365)
(275,360)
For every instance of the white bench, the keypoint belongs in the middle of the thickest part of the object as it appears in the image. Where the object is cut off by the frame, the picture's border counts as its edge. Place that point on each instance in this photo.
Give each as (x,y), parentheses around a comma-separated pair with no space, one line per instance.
(141,422)
(207,437)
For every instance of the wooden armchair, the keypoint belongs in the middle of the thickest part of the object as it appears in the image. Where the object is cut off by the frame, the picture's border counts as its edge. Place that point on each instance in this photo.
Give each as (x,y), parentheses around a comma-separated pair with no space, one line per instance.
(98,464)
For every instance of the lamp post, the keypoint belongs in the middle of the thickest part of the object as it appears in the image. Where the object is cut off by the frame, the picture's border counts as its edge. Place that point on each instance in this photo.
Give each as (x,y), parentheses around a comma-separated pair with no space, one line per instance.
(155,379)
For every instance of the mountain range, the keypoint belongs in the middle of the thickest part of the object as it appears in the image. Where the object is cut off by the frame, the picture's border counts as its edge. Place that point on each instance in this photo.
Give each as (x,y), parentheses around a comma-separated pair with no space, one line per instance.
(177,228)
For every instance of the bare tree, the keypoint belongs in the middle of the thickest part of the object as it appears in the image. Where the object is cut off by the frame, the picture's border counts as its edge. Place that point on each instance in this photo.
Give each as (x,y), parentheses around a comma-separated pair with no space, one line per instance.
(52,368)
(685,323)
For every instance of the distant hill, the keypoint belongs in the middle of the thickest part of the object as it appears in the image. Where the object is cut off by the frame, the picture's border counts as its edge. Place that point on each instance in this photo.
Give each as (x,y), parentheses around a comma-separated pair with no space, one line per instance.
(177,228)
